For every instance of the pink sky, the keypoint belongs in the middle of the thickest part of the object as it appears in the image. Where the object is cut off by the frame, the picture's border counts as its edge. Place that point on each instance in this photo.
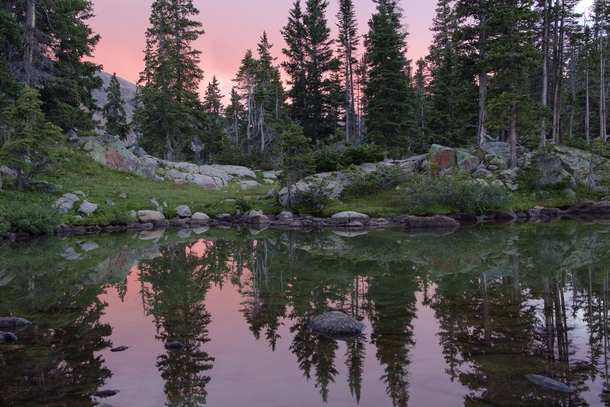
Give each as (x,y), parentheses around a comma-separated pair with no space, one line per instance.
(231,27)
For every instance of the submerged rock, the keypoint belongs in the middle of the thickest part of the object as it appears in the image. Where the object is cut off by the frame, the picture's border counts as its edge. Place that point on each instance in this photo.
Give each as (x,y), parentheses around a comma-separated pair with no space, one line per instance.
(549,383)
(337,325)
(7,337)
(119,349)
(106,393)
(174,345)
(13,322)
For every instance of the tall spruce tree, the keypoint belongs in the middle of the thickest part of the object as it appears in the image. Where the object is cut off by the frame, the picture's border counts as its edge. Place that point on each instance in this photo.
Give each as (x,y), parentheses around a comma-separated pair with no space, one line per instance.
(114,111)
(348,42)
(310,66)
(171,114)
(389,94)
(450,90)
(214,128)
(511,57)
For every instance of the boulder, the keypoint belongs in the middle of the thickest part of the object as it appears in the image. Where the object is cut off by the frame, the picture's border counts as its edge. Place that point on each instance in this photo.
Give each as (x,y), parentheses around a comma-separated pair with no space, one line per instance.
(154,217)
(110,151)
(7,172)
(257,218)
(236,170)
(199,218)
(176,175)
(7,337)
(443,157)
(183,211)
(552,171)
(87,208)
(336,182)
(508,174)
(249,184)
(204,181)
(482,173)
(13,322)
(337,325)
(466,161)
(66,202)
(350,217)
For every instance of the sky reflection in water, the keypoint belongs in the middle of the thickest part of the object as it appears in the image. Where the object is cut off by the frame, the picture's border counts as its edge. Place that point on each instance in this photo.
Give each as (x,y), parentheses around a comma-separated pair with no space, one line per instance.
(451,320)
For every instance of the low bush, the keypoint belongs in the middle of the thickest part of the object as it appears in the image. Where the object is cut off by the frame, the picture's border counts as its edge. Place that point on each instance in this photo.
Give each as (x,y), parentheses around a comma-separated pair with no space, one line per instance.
(335,157)
(31,218)
(366,183)
(425,195)
(316,197)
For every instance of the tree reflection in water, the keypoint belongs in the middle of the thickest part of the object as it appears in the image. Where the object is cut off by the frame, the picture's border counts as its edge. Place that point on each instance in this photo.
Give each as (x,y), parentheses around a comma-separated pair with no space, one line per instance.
(173,290)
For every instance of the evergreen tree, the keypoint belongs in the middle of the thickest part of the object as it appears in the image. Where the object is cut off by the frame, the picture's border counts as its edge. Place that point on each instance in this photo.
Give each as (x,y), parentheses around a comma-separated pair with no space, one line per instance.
(297,161)
(10,37)
(388,92)
(450,89)
(348,44)
(25,135)
(511,56)
(171,111)
(295,36)
(68,79)
(310,65)
(214,129)
(113,111)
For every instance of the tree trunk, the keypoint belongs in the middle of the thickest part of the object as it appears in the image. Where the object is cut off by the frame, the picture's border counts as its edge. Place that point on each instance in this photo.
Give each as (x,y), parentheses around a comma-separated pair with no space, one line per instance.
(545,70)
(482,131)
(512,163)
(602,87)
(28,36)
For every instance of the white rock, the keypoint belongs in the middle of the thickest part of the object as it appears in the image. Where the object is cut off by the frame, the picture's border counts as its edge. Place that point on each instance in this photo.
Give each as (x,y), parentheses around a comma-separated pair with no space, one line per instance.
(199,218)
(154,217)
(87,208)
(236,170)
(66,202)
(183,211)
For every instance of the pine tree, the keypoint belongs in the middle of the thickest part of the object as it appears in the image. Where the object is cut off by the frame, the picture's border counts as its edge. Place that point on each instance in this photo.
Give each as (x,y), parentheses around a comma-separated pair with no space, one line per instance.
(348,42)
(294,34)
(448,88)
(25,135)
(389,94)
(214,129)
(310,65)
(66,95)
(113,111)
(171,110)
(511,56)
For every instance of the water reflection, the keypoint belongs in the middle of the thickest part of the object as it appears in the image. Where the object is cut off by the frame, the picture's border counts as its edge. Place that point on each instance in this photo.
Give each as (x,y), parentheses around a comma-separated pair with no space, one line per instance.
(508,301)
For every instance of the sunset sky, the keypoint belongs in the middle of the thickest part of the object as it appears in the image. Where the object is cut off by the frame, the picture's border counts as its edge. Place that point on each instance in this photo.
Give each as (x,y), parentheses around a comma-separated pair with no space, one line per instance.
(231,27)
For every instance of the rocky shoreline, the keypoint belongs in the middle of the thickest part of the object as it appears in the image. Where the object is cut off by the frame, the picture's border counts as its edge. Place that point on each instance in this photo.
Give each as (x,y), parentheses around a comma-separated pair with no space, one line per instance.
(345,223)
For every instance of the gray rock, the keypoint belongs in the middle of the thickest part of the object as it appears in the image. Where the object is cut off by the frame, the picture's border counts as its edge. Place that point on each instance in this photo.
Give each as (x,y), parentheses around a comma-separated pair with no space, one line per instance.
(109,202)
(549,383)
(7,172)
(248,184)
(257,218)
(285,215)
(7,337)
(154,217)
(110,151)
(238,171)
(497,183)
(183,211)
(205,181)
(349,217)
(174,345)
(71,136)
(184,233)
(482,173)
(87,208)
(173,174)
(337,325)
(66,202)
(88,246)
(508,174)
(154,201)
(133,214)
(199,218)
(466,161)
(13,322)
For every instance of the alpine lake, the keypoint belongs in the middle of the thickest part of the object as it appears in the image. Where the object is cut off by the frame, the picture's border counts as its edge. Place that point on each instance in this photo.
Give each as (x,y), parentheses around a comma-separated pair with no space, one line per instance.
(452,319)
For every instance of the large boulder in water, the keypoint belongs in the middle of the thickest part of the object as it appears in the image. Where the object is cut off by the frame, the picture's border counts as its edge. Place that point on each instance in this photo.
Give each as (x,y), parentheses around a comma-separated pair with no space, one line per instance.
(337,325)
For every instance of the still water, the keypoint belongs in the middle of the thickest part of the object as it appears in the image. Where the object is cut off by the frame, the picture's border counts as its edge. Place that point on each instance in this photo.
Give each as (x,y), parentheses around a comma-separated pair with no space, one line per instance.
(452,320)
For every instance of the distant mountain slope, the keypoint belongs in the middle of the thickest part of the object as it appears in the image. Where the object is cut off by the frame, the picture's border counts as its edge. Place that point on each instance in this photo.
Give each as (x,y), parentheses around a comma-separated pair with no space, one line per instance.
(128,92)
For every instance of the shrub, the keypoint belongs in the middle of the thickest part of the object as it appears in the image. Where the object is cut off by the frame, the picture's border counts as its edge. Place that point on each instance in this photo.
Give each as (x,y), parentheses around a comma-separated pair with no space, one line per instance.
(365,183)
(446,194)
(334,157)
(31,218)
(316,196)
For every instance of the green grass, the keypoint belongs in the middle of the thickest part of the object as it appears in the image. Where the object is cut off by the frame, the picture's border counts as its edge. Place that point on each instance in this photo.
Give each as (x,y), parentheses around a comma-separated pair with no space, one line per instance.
(75,171)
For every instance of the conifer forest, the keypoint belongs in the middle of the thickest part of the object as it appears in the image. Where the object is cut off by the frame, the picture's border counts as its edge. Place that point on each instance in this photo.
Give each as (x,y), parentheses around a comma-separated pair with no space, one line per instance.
(522,71)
